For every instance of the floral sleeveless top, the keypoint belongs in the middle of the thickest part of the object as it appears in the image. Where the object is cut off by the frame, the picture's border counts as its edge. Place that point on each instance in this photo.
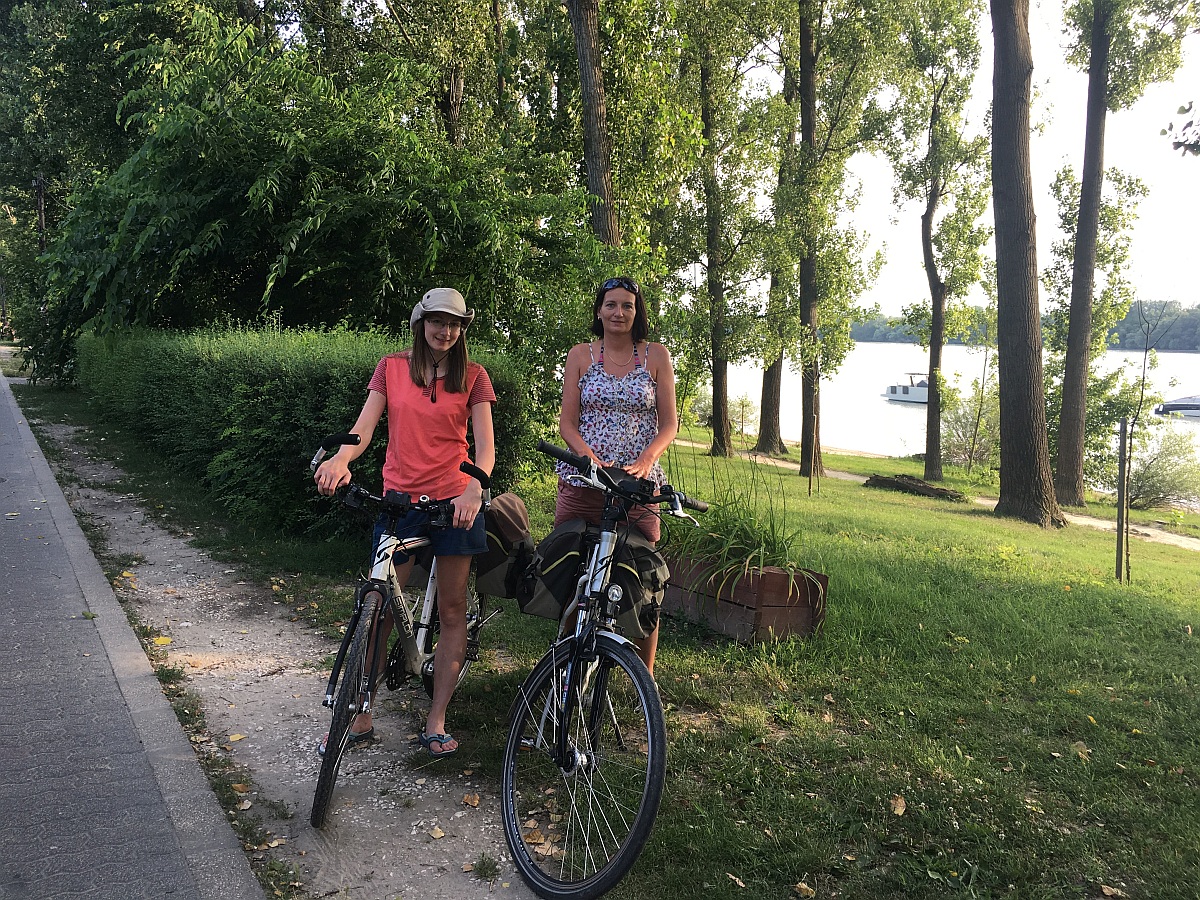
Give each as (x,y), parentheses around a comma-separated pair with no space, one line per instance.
(618,417)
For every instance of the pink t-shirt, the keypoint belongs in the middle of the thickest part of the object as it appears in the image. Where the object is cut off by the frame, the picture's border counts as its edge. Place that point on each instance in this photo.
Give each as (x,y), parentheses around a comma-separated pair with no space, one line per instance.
(427,438)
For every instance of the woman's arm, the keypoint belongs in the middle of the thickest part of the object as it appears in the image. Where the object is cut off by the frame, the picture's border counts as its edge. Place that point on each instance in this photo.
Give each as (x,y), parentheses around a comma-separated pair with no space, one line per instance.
(568,418)
(663,374)
(468,503)
(335,471)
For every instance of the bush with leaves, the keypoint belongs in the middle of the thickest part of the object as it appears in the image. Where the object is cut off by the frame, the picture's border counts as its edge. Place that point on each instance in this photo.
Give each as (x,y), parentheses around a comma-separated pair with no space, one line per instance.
(971,427)
(241,410)
(1165,471)
(261,185)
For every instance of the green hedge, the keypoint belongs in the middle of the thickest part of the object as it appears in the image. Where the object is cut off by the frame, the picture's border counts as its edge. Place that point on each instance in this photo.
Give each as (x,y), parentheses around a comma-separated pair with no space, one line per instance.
(241,410)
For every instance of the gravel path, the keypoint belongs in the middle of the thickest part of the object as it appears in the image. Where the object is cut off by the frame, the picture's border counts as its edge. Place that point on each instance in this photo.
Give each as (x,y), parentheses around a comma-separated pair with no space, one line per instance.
(401,825)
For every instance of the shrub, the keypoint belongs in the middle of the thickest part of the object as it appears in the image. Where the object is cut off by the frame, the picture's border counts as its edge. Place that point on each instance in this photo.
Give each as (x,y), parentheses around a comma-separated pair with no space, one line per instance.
(1165,472)
(241,410)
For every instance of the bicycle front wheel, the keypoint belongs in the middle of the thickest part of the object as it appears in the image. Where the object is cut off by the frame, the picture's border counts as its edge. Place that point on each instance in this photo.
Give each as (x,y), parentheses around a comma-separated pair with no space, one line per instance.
(347,703)
(576,822)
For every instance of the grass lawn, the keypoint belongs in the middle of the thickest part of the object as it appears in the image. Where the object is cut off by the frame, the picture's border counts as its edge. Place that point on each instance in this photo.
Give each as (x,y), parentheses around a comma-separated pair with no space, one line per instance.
(987,713)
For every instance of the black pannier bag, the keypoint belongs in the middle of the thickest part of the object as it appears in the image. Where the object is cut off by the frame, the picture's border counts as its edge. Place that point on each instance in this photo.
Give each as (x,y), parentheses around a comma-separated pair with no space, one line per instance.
(548,584)
(509,547)
(550,580)
(642,574)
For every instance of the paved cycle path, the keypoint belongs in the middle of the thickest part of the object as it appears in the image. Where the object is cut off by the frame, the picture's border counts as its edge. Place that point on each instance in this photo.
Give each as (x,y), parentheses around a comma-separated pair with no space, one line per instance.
(100,792)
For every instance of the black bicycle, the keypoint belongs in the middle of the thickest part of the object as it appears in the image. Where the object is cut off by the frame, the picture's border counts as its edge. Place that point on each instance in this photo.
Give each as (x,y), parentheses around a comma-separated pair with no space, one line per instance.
(586,753)
(357,671)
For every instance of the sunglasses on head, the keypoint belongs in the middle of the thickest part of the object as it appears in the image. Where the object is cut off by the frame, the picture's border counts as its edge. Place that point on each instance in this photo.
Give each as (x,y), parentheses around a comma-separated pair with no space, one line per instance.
(627,283)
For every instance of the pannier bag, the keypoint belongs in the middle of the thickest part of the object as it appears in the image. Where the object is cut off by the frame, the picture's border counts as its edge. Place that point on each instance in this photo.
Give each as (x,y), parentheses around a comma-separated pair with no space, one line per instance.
(550,580)
(509,547)
(642,574)
(548,584)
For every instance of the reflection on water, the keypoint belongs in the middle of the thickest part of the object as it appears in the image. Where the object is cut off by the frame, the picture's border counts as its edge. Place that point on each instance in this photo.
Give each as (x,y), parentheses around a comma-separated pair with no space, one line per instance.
(855,415)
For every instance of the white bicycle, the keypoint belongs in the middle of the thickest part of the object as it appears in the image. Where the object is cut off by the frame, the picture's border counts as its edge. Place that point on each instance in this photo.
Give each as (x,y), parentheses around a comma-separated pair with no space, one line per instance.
(357,669)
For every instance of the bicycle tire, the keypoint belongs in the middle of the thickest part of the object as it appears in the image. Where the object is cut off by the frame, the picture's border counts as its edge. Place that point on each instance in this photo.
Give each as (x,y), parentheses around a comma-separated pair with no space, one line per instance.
(474,623)
(346,705)
(575,833)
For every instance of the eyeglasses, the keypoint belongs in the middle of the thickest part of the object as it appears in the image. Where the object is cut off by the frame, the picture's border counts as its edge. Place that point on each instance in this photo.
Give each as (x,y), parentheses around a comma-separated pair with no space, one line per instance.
(451,325)
(627,283)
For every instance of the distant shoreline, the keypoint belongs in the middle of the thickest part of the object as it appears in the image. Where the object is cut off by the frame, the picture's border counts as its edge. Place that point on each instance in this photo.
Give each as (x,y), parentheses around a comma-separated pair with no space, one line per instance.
(957,343)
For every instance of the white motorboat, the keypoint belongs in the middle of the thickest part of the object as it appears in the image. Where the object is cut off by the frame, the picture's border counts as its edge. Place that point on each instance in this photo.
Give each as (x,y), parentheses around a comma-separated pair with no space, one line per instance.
(1184,406)
(915,390)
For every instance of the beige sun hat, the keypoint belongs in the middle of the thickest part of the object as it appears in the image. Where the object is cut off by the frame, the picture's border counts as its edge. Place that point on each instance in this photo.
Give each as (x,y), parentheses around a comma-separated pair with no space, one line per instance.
(442,299)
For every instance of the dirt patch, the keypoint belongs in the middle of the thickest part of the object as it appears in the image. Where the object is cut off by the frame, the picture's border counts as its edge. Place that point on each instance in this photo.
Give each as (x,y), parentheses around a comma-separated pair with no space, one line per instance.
(399,819)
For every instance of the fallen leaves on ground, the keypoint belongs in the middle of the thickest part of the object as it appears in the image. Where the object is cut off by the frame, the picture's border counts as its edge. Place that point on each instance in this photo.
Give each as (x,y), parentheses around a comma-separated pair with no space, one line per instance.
(803,890)
(898,804)
(736,880)
(471,800)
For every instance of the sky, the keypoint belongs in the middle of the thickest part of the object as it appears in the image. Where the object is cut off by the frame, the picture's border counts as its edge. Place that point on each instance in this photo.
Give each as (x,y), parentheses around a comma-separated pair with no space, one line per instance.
(1165,243)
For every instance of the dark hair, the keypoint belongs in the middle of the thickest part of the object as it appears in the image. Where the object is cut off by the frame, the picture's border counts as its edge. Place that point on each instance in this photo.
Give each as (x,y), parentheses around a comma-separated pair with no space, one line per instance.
(641,322)
(422,359)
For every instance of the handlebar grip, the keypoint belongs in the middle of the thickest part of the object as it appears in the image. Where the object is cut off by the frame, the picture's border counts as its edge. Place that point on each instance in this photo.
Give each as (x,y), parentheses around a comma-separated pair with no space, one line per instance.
(336,440)
(329,442)
(582,463)
(485,480)
(692,503)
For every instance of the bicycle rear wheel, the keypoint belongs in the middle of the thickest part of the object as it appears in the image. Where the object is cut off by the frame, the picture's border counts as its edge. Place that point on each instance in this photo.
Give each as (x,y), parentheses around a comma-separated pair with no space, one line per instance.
(347,703)
(575,829)
(474,623)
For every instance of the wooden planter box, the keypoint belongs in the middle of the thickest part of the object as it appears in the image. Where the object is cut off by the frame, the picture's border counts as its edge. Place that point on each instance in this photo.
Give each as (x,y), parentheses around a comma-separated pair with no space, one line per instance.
(764,605)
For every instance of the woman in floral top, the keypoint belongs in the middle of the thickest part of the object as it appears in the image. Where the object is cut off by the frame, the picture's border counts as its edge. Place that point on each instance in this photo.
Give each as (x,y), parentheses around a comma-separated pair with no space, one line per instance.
(619,409)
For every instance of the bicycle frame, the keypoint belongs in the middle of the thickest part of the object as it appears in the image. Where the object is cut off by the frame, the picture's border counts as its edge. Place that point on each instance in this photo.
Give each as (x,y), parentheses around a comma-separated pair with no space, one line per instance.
(413,633)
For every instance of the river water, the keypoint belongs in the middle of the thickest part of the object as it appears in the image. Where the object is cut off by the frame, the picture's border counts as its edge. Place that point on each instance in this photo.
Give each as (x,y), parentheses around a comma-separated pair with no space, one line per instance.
(855,416)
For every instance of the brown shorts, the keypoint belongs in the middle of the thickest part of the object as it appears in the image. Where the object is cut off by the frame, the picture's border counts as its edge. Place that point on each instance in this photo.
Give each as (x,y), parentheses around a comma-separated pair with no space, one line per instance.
(588,504)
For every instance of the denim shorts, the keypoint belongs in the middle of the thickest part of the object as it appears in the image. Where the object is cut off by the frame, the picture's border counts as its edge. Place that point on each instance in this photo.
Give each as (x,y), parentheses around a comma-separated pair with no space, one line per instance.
(442,541)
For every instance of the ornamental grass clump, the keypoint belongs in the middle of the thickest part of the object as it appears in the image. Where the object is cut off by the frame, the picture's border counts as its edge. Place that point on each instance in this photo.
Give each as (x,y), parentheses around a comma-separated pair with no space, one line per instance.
(744,529)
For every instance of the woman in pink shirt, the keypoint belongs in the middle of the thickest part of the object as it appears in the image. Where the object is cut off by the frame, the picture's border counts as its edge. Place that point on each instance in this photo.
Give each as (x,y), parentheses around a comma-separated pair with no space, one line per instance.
(431,393)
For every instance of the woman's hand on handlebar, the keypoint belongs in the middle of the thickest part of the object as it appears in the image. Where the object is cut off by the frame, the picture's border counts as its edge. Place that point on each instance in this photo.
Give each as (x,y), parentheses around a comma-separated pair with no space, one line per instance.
(467,505)
(640,467)
(331,475)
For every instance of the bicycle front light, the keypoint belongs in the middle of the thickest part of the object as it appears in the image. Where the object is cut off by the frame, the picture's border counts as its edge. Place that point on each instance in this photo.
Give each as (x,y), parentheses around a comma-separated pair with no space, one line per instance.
(615,593)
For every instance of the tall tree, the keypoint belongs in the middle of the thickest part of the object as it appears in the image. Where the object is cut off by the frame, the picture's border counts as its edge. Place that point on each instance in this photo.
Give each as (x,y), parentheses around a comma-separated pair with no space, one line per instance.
(834,58)
(597,148)
(938,163)
(1123,45)
(718,225)
(1026,484)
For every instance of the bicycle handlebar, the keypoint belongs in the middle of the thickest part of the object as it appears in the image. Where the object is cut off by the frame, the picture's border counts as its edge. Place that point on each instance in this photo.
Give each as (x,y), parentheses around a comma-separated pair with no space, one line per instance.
(610,480)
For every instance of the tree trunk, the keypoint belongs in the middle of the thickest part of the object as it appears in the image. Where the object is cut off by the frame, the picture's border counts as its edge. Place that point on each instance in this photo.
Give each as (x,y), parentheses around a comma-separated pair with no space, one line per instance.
(597,153)
(937,335)
(1026,485)
(1072,417)
(770,440)
(722,444)
(451,100)
(498,36)
(810,427)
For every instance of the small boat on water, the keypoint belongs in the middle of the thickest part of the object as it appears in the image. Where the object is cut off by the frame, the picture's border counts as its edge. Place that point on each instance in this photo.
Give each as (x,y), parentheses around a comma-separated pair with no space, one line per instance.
(1184,406)
(915,390)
